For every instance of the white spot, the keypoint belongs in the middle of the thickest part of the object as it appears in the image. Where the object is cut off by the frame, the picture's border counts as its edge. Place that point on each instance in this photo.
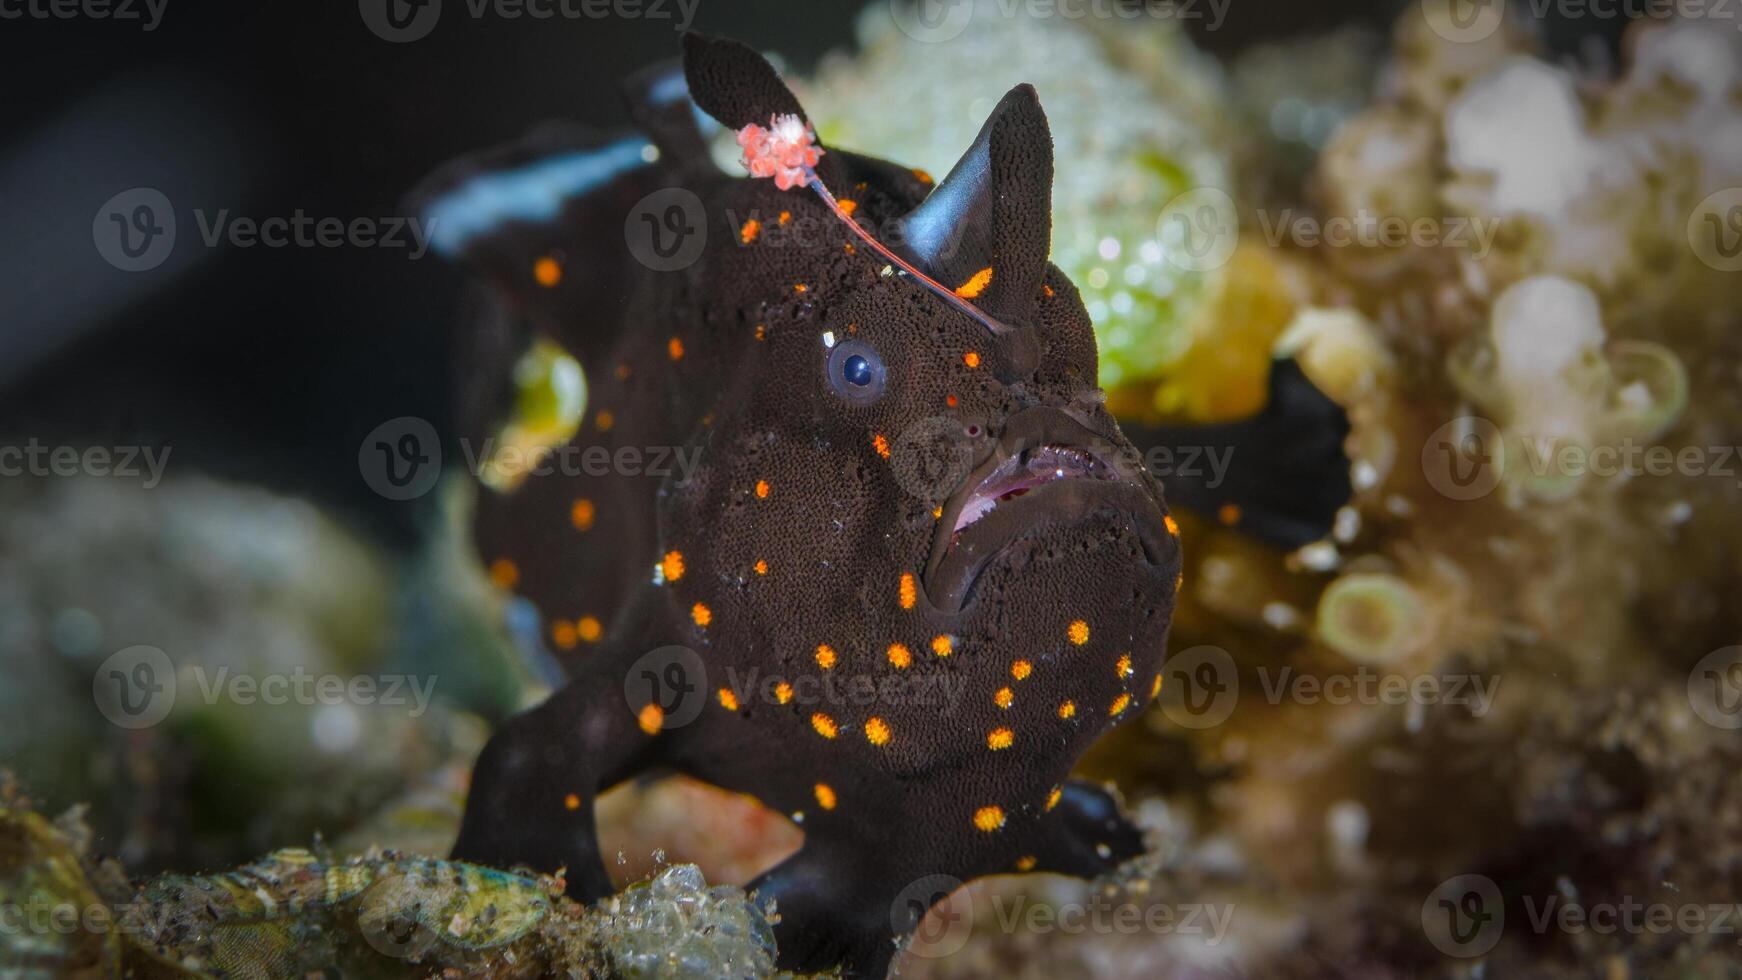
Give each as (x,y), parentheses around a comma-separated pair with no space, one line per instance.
(336,728)
(1320,556)
(1280,615)
(1348,524)
(829,339)
(650,153)
(1109,248)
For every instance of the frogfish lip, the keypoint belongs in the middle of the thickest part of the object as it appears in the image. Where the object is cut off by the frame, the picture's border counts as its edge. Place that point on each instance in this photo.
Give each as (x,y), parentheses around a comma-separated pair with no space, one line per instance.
(1047,470)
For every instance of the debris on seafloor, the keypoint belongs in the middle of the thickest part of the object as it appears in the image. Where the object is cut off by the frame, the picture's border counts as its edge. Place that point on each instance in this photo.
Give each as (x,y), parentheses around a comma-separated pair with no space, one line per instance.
(298,912)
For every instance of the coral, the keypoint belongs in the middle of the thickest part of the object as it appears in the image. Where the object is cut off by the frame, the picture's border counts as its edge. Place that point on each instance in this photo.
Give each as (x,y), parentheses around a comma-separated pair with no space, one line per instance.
(383,914)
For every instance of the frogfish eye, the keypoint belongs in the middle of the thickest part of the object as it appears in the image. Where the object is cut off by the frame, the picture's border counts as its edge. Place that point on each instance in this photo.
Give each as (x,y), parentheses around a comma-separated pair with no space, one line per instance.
(856,372)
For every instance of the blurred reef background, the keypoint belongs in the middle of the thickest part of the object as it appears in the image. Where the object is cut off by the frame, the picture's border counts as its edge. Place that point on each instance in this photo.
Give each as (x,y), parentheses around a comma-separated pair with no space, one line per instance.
(1580,184)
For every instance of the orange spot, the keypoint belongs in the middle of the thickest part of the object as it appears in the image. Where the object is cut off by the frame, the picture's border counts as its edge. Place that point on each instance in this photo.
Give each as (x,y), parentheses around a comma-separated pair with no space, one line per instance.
(971,359)
(908,591)
(702,615)
(1021,669)
(761,567)
(976,284)
(1078,632)
(1000,738)
(1026,862)
(825,796)
(1052,798)
(989,818)
(572,802)
(1004,697)
(783,692)
(505,573)
(1048,290)
(879,443)
(825,656)
(671,566)
(1068,710)
(937,512)
(900,656)
(749,230)
(624,371)
(785,216)
(761,489)
(674,349)
(943,645)
(651,719)
(824,725)
(562,633)
(589,628)
(604,420)
(1155,688)
(1228,514)
(1120,703)
(581,514)
(876,731)
(1179,581)
(850,250)
(1172,525)
(762,331)
(547,272)
(728,700)
(800,288)
(1123,667)
(950,400)
(922,176)
(848,206)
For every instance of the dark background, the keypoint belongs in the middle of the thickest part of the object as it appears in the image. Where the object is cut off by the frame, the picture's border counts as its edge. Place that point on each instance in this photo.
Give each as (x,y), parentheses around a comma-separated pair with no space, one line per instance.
(270,365)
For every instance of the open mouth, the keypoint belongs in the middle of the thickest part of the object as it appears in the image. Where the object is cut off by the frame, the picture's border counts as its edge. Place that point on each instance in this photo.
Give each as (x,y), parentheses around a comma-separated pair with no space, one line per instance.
(1044,474)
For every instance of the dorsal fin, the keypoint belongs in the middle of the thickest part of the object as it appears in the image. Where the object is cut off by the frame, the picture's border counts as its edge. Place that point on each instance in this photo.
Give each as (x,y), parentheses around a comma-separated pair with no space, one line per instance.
(993,212)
